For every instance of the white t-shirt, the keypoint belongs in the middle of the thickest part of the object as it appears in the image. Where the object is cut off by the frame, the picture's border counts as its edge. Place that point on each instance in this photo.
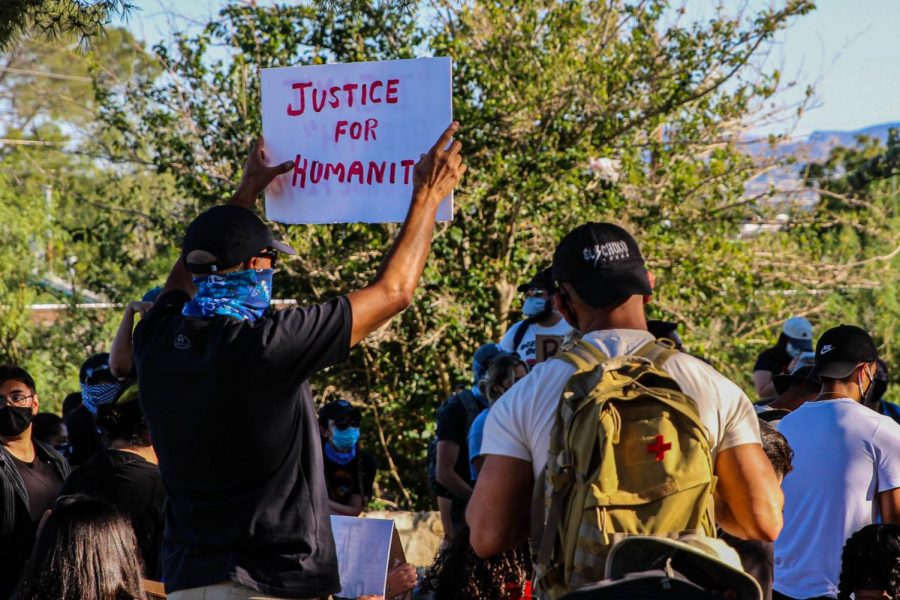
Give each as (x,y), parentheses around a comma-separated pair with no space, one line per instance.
(527,349)
(844,454)
(520,422)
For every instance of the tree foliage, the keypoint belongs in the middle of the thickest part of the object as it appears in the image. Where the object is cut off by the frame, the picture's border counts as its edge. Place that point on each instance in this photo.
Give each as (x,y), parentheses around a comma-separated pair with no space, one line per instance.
(55,18)
(543,89)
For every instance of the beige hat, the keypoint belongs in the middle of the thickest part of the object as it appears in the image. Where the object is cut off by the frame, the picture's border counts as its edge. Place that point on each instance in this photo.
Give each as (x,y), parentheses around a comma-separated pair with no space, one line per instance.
(718,562)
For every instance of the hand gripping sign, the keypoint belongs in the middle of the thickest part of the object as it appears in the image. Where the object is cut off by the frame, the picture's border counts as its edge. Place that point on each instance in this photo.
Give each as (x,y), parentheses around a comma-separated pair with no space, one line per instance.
(354,132)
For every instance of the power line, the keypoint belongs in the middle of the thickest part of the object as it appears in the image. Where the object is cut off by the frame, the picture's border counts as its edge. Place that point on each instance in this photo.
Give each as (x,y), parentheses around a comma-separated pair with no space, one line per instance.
(46,74)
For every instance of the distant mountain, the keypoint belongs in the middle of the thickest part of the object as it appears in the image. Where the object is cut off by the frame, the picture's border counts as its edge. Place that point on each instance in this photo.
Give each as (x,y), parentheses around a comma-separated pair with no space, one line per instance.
(816,146)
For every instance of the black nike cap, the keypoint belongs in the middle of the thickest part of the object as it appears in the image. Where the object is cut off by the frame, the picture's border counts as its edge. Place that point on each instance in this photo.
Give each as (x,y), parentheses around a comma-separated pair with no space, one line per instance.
(841,349)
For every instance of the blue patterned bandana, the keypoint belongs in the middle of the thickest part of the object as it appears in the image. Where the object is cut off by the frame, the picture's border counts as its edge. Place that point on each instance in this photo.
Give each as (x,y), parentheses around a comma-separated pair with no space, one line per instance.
(95,395)
(337,456)
(244,295)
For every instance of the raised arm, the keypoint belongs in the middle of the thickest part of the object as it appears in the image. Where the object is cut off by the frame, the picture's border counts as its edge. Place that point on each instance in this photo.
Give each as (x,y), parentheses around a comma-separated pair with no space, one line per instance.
(256,177)
(121,360)
(435,175)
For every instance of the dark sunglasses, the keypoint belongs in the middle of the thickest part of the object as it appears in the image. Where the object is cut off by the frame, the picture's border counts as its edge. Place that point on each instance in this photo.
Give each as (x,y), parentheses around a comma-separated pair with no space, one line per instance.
(345,423)
(271,254)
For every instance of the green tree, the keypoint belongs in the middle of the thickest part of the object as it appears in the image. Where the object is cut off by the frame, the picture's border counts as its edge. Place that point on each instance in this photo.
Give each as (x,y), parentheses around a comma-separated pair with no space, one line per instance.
(53,18)
(104,230)
(860,226)
(541,88)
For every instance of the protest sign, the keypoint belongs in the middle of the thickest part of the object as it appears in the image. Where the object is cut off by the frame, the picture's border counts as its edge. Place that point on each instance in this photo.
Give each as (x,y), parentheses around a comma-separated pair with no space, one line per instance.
(354,132)
(365,549)
(547,346)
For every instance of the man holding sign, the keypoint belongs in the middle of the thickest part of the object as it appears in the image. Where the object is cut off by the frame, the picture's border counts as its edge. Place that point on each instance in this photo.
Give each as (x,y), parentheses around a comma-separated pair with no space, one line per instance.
(223,386)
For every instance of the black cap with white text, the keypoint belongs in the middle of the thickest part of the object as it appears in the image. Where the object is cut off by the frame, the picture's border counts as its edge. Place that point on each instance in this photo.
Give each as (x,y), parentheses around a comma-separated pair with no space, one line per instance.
(603,263)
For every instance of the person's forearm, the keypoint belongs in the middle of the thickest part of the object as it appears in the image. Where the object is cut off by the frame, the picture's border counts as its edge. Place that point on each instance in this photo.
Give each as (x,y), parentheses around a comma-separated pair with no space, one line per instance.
(725,519)
(344,509)
(455,484)
(180,279)
(404,262)
(120,359)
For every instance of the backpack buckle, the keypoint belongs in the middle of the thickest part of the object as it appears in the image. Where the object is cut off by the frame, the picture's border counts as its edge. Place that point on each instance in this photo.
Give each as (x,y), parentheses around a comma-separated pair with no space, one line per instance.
(565,460)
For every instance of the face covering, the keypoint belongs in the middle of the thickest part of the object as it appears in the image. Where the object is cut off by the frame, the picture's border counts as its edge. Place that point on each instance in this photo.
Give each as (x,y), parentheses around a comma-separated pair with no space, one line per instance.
(243,295)
(534,306)
(346,439)
(14,419)
(878,390)
(793,350)
(94,395)
(865,396)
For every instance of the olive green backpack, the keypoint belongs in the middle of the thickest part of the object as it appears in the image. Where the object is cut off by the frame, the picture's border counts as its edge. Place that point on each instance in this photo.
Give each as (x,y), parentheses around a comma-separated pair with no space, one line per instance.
(628,455)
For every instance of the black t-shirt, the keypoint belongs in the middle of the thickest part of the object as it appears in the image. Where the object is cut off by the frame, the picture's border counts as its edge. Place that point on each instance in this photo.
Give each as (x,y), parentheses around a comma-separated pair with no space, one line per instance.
(356,477)
(234,426)
(41,484)
(453,424)
(773,360)
(133,484)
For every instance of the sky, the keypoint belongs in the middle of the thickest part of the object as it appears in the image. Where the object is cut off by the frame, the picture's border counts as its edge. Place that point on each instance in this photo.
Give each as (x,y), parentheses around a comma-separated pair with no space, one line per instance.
(849,50)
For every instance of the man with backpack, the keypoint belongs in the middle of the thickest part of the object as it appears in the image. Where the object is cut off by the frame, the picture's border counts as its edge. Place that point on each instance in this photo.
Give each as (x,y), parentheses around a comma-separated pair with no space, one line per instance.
(449,455)
(540,334)
(635,445)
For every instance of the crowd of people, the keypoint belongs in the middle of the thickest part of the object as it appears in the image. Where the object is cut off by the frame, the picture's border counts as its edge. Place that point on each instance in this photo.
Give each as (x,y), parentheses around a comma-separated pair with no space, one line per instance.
(590,457)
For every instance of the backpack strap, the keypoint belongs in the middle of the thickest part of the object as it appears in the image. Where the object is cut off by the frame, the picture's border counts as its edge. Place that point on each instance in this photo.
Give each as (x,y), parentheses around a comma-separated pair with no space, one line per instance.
(658,352)
(521,330)
(585,357)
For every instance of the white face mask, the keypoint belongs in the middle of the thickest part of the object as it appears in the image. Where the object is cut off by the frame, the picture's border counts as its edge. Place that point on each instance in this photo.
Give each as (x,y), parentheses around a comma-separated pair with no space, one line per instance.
(793,350)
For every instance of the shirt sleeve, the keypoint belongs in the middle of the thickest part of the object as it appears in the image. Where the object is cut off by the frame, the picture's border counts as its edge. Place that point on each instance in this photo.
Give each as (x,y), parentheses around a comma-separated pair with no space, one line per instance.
(171,301)
(886,441)
(476,434)
(451,424)
(724,408)
(507,340)
(307,339)
(739,421)
(505,430)
(766,361)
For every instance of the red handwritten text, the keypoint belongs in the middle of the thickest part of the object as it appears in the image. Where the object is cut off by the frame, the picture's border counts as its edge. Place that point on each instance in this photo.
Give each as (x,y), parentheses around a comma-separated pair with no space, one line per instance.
(374,172)
(356,130)
(340,96)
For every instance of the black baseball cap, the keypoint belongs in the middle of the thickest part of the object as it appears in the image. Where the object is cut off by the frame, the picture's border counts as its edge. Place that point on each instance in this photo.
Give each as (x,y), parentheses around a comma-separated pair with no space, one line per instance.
(841,349)
(225,236)
(96,370)
(337,408)
(802,374)
(602,262)
(542,279)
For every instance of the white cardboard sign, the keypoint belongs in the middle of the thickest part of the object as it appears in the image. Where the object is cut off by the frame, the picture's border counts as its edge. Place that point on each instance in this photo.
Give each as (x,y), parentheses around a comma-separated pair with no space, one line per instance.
(354,132)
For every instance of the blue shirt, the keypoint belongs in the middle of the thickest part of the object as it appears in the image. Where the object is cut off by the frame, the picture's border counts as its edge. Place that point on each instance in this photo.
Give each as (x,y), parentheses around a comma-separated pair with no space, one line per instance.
(476,433)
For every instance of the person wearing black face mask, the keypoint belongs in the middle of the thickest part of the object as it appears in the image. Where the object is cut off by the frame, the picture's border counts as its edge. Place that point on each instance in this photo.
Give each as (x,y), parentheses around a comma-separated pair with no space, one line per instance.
(540,334)
(879,388)
(31,474)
